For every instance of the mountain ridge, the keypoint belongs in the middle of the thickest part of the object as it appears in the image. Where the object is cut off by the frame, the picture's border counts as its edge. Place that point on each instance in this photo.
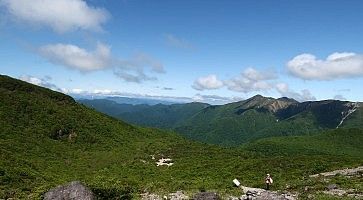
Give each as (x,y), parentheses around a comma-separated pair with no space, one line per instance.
(239,122)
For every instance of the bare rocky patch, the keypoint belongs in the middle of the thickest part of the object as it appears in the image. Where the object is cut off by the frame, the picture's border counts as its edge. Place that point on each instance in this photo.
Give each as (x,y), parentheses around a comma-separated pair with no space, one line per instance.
(336,190)
(344,172)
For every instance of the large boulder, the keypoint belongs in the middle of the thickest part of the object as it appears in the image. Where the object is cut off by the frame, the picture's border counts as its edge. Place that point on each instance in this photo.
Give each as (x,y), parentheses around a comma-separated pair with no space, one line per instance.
(71,191)
(332,187)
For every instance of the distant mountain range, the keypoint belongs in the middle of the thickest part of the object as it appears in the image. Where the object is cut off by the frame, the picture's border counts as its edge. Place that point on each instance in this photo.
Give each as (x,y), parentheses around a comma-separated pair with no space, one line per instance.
(138,101)
(160,115)
(239,122)
(125,100)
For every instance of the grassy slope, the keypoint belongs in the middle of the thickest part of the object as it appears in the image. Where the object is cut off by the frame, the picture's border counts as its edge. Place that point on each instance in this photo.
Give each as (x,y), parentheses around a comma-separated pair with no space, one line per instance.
(113,158)
(106,153)
(222,125)
(340,142)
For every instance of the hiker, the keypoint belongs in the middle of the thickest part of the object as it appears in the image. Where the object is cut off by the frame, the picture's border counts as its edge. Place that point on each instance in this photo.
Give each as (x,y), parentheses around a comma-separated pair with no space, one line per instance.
(268,181)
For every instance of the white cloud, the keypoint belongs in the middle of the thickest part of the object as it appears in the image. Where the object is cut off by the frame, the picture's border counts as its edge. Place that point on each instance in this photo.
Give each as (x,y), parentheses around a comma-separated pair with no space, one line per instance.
(282,87)
(251,80)
(305,96)
(132,69)
(215,99)
(141,60)
(335,66)
(284,90)
(209,82)
(78,58)
(343,90)
(102,93)
(339,97)
(76,91)
(133,76)
(60,15)
(174,41)
(43,82)
(31,79)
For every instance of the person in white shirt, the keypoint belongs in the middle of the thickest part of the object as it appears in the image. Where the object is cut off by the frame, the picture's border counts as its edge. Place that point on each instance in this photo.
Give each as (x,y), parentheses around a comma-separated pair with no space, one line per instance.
(268,181)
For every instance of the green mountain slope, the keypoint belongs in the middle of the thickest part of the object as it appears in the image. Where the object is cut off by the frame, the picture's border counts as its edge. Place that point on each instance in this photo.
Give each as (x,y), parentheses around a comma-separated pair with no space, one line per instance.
(240,122)
(261,117)
(47,139)
(220,125)
(160,115)
(339,142)
(354,119)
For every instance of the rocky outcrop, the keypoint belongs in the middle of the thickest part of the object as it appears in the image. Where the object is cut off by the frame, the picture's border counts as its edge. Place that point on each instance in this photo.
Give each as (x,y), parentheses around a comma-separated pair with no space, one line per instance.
(165,161)
(250,194)
(206,196)
(261,103)
(179,195)
(267,195)
(334,189)
(261,194)
(72,191)
(150,196)
(345,114)
(344,172)
(352,193)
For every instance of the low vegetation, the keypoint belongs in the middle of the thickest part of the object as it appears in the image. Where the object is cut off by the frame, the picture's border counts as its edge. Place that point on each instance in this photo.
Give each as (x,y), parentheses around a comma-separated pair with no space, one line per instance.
(47,139)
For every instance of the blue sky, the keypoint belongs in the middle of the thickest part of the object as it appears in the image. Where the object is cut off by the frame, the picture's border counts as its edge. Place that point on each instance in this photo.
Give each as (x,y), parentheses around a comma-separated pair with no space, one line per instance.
(211,51)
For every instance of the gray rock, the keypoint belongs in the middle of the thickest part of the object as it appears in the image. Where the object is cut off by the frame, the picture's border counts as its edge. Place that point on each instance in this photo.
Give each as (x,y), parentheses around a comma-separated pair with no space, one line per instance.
(150,196)
(261,194)
(332,186)
(356,196)
(72,191)
(337,192)
(179,195)
(206,196)
(268,196)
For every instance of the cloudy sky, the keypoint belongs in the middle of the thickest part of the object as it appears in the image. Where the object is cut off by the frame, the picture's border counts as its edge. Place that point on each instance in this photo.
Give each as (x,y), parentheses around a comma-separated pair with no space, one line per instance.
(211,51)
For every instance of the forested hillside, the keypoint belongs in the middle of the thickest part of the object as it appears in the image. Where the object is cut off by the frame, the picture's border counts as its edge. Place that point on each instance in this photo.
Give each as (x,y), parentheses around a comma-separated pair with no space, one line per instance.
(240,122)
(47,139)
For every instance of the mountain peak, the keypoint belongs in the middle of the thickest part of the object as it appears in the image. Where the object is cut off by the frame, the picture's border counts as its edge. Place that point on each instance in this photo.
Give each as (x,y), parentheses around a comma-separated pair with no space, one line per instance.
(287,99)
(258,96)
(266,103)
(259,99)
